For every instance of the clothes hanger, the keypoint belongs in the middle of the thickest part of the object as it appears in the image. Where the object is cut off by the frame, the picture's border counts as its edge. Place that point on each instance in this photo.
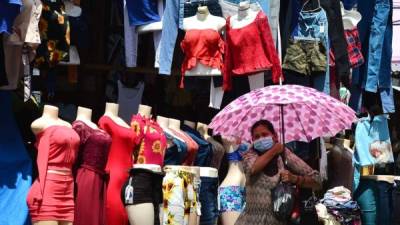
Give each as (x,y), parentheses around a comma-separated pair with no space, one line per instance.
(311,10)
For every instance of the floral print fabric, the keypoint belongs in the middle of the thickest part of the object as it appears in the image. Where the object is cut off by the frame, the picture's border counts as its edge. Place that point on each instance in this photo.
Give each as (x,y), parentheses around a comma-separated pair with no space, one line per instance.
(153,142)
(54,34)
(232,198)
(178,197)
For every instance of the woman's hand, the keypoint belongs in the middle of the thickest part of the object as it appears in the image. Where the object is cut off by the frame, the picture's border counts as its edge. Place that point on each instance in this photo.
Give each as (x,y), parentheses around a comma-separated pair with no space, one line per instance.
(278,149)
(288,177)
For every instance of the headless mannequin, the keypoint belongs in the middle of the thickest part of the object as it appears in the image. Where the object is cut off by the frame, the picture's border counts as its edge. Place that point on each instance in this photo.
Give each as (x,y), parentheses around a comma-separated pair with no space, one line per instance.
(112,112)
(50,118)
(156,26)
(174,124)
(246,15)
(350,18)
(201,21)
(203,130)
(85,115)
(234,177)
(190,124)
(164,124)
(143,214)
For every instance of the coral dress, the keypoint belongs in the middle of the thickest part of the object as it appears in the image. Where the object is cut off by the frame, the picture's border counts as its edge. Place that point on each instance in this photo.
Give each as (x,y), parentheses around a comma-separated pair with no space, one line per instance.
(118,165)
(51,196)
(91,178)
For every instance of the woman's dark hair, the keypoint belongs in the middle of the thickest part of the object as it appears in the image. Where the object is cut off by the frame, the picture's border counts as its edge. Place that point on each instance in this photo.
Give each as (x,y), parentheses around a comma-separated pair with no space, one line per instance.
(264,123)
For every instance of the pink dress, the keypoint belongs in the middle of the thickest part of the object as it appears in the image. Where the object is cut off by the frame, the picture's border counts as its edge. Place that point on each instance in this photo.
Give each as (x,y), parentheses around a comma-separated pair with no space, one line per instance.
(51,196)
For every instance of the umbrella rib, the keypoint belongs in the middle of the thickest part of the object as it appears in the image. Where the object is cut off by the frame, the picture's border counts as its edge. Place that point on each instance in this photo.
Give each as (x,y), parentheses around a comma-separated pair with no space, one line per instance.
(297,115)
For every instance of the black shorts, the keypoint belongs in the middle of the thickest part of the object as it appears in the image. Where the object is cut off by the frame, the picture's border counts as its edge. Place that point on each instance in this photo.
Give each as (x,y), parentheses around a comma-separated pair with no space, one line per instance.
(142,186)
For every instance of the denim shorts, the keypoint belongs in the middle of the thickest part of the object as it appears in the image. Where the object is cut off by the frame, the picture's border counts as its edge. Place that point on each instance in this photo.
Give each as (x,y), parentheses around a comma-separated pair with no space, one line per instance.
(190,7)
(209,200)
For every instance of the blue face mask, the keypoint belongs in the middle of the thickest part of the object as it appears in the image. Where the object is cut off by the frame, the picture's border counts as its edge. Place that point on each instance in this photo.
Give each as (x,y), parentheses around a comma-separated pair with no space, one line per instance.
(263,144)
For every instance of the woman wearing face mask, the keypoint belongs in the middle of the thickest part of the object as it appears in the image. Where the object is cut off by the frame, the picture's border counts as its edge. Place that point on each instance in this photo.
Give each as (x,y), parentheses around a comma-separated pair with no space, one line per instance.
(264,169)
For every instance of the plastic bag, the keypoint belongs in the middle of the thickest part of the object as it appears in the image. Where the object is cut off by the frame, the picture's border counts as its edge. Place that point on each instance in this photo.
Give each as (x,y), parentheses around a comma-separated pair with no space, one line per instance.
(283,199)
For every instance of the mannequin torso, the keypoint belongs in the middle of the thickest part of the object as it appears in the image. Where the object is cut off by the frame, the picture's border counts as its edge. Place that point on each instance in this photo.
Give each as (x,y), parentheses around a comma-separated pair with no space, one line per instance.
(112,112)
(85,115)
(48,118)
(164,124)
(235,176)
(244,17)
(203,20)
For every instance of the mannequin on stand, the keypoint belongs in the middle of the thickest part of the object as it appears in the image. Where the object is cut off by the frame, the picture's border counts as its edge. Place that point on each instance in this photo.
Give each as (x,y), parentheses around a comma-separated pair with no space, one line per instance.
(119,162)
(236,179)
(144,213)
(246,15)
(112,112)
(85,115)
(54,137)
(203,20)
(204,28)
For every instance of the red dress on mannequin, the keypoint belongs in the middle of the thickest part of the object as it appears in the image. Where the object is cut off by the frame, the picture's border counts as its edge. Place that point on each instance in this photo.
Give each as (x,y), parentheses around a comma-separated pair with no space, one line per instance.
(51,196)
(118,165)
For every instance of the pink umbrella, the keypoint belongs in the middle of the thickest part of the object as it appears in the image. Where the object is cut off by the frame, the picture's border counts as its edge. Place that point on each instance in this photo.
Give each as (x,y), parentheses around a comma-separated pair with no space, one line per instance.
(304,112)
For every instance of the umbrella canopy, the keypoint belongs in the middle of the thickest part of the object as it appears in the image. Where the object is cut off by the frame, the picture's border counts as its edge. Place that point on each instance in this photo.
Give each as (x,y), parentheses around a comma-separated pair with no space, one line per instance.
(307,113)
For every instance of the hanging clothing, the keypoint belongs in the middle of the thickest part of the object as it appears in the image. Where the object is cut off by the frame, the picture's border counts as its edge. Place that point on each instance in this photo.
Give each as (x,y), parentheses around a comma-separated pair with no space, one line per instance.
(118,163)
(314,25)
(129,100)
(152,141)
(259,186)
(54,34)
(91,177)
(9,10)
(203,46)
(16,164)
(26,32)
(175,11)
(51,196)
(247,54)
(250,50)
(142,12)
(373,145)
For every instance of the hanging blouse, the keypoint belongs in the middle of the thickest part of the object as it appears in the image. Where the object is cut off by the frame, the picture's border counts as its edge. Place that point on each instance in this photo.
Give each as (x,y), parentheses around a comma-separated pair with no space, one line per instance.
(205,46)
(9,10)
(153,141)
(54,34)
(250,49)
